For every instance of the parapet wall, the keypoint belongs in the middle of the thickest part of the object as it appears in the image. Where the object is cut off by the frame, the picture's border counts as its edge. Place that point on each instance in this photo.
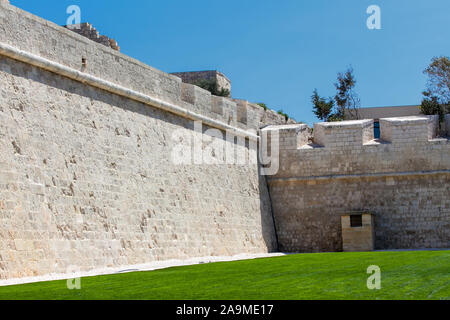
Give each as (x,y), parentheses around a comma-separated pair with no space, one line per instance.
(42,38)
(402,178)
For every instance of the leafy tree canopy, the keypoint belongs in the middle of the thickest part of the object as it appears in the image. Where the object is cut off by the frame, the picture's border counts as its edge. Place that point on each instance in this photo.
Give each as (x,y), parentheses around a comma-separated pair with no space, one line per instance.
(438,84)
(436,97)
(322,107)
(346,98)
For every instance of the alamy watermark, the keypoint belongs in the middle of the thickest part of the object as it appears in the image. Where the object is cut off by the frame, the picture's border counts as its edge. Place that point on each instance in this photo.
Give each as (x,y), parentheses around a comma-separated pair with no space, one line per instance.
(374,20)
(374,280)
(74,20)
(74,283)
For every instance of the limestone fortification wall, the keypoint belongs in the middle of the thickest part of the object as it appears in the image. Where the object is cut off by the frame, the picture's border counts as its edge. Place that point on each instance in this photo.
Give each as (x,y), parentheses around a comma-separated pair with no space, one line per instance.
(403,179)
(87,177)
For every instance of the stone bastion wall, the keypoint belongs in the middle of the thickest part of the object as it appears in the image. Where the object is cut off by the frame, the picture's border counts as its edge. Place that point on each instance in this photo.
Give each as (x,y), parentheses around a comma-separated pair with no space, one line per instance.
(403,178)
(87,174)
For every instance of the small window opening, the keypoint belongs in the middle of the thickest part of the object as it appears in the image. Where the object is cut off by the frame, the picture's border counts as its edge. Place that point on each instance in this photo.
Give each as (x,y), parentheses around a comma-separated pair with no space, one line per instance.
(376,129)
(356,221)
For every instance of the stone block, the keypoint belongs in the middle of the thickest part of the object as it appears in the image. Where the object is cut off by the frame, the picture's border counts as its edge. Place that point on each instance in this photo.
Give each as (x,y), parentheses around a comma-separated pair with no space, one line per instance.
(241,111)
(343,134)
(358,232)
(408,129)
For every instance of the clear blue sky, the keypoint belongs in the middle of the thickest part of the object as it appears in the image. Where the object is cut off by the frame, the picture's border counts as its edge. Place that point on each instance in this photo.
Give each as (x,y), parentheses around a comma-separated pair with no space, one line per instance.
(277,51)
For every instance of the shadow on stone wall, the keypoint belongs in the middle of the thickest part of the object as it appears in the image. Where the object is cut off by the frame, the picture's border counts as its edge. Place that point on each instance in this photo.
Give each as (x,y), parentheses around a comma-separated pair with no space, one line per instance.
(268,223)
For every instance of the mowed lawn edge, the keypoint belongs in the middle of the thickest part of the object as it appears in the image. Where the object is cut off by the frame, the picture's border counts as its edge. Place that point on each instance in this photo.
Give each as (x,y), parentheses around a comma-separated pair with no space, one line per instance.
(405,275)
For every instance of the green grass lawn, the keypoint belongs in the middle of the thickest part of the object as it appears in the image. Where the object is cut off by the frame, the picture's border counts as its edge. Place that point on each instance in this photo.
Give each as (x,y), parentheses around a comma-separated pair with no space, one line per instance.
(404,275)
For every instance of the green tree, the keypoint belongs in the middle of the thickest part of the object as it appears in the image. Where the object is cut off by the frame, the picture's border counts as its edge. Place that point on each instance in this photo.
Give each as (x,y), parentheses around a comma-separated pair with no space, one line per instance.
(430,104)
(436,98)
(346,98)
(438,84)
(322,107)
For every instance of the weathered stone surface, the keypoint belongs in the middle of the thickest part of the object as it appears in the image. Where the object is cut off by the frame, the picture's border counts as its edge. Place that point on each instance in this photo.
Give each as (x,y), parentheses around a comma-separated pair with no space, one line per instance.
(405,182)
(87,179)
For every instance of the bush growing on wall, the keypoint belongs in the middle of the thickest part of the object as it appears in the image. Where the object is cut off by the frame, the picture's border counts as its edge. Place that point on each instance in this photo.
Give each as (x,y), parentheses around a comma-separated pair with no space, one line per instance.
(280,112)
(346,102)
(212,86)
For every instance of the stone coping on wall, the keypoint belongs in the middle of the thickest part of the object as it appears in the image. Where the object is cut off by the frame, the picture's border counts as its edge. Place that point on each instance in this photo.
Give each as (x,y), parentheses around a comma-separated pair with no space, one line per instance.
(295,126)
(24,32)
(345,124)
(406,119)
